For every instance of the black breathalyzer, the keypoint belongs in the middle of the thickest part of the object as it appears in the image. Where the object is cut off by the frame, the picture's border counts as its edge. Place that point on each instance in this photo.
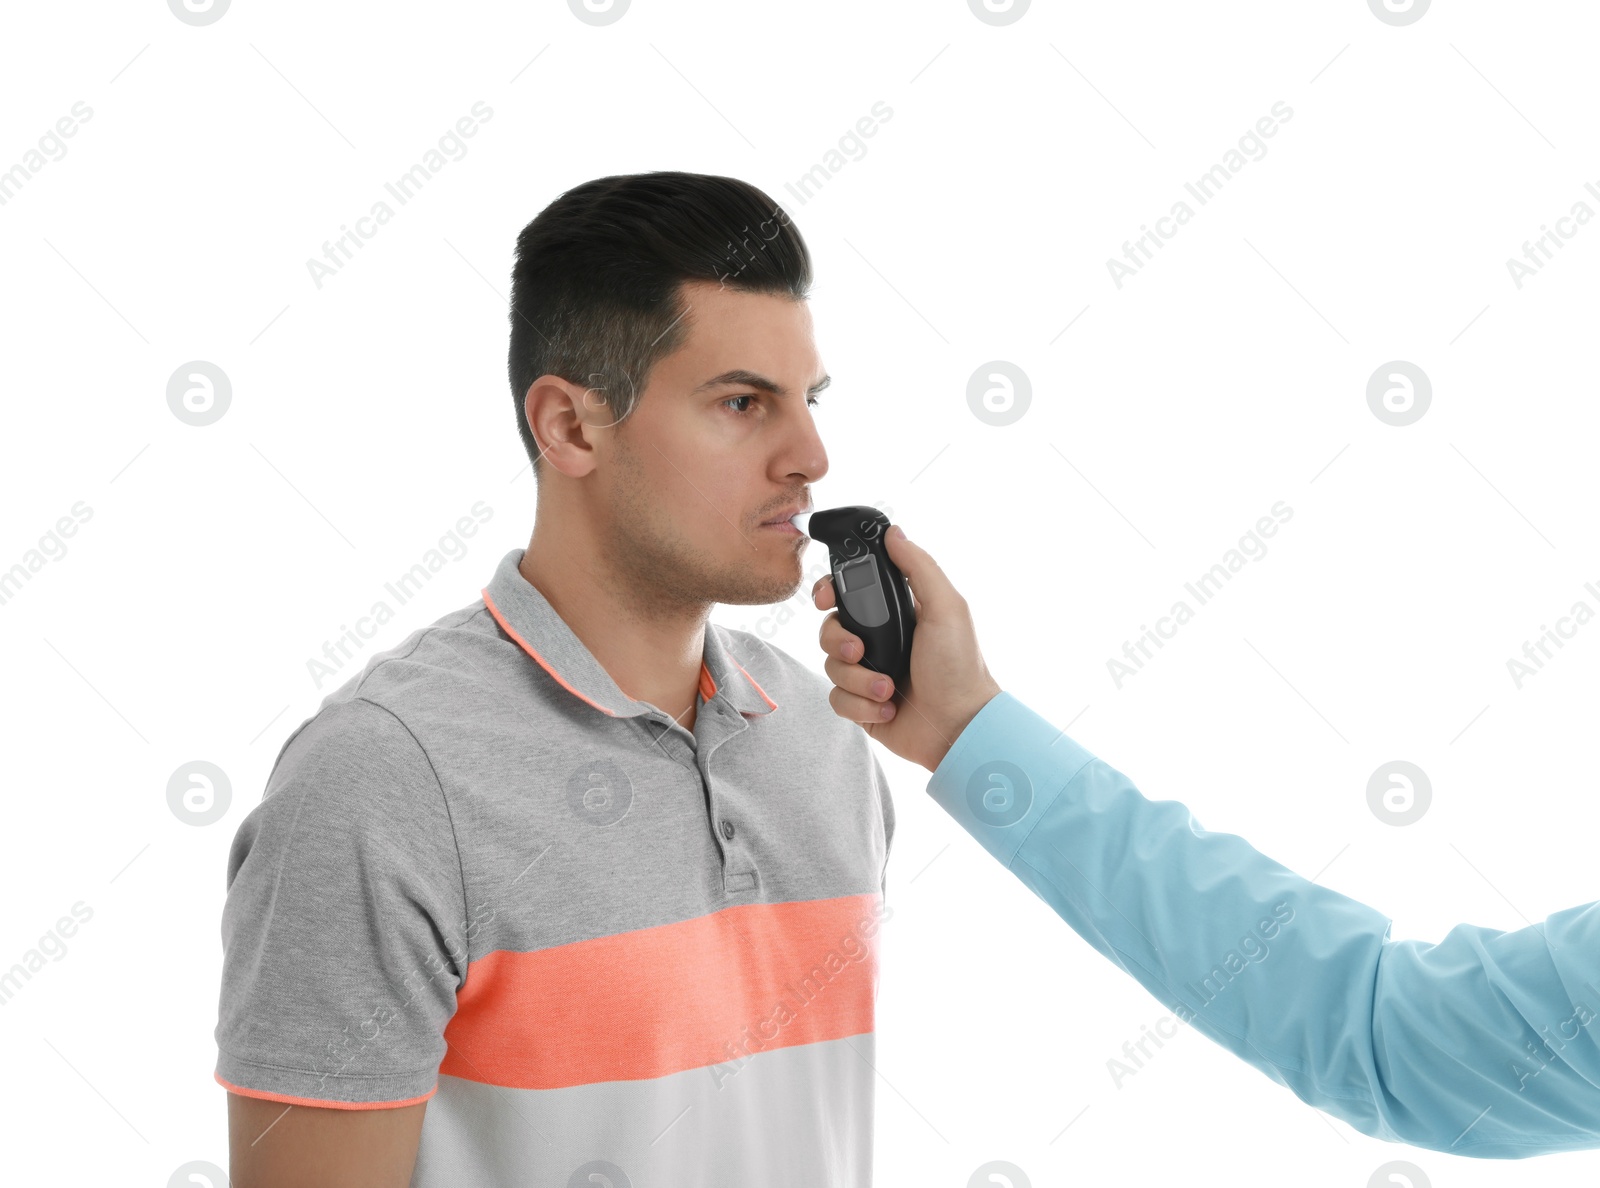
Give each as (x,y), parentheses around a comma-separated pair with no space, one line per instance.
(872,595)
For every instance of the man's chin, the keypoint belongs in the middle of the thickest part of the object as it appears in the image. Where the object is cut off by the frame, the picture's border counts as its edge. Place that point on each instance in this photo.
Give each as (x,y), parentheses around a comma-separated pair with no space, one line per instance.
(749,590)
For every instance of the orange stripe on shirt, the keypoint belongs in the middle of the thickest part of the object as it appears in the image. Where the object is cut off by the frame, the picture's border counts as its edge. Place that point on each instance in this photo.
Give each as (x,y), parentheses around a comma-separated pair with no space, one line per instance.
(657,1001)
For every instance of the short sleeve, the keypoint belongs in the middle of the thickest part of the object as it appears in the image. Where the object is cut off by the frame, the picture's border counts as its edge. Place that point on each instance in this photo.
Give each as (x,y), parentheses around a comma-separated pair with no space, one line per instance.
(344,931)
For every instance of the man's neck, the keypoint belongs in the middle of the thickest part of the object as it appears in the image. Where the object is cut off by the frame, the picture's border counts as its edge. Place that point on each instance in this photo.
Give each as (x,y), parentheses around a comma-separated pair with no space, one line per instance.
(652,651)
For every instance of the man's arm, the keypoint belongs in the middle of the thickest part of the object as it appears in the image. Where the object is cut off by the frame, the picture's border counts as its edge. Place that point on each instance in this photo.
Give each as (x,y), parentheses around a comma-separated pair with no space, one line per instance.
(1480,1045)
(1484,1044)
(273,1144)
(345,938)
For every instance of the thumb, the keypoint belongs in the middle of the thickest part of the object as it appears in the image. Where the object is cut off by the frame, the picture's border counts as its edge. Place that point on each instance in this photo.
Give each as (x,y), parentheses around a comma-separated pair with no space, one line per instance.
(934,594)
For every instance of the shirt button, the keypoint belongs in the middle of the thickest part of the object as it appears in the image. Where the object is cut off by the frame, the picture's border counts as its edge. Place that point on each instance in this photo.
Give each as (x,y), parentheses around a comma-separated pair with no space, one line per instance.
(727,829)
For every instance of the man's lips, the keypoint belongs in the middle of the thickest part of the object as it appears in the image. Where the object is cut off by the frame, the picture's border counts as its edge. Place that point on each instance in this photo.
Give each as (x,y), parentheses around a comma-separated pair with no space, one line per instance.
(782,521)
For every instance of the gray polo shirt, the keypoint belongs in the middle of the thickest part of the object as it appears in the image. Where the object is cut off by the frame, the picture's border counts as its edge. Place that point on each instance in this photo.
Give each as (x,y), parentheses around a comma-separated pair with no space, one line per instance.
(595,942)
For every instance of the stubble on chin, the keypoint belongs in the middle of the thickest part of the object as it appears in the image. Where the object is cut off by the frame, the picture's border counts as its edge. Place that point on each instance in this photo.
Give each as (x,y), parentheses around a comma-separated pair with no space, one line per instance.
(667,569)
(664,568)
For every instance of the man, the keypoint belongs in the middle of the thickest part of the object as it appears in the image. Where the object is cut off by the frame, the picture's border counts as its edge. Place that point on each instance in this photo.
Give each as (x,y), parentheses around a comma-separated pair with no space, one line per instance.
(1484,1044)
(573,886)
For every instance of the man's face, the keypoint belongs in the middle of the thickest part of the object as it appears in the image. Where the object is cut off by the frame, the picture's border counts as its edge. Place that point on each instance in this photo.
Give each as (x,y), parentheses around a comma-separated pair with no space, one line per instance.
(698,468)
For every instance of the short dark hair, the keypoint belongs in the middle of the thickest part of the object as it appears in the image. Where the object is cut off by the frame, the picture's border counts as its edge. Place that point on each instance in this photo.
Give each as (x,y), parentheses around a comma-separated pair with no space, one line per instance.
(596,288)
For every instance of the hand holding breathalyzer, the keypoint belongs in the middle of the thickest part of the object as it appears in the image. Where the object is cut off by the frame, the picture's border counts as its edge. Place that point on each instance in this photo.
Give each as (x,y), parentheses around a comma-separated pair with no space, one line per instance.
(949,682)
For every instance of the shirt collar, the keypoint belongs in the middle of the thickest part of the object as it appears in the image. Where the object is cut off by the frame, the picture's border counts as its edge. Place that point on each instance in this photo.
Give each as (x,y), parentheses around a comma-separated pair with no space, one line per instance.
(528,618)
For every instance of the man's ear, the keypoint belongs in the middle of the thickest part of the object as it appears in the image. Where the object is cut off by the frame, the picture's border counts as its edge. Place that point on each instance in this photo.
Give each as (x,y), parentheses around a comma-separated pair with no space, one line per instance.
(564,418)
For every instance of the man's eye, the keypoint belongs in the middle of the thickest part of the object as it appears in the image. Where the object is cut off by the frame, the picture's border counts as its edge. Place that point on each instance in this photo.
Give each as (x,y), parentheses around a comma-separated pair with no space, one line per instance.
(811,401)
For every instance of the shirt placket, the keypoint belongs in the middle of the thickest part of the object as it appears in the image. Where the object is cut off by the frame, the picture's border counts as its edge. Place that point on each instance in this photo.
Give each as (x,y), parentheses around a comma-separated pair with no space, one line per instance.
(715,723)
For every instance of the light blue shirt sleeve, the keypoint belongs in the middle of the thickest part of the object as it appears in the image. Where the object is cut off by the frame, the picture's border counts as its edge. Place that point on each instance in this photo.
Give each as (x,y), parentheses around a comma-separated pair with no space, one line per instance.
(1480,1045)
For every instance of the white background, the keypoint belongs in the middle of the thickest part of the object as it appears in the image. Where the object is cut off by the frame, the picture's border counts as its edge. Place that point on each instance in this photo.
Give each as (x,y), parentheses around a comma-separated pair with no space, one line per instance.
(1167,415)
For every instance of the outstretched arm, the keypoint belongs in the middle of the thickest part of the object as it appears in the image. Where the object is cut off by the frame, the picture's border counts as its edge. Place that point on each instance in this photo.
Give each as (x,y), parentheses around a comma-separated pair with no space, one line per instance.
(1479,1045)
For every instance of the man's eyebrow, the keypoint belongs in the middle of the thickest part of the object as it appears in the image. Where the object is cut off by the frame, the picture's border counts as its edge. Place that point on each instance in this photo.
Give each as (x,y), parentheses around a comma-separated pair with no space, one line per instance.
(750,379)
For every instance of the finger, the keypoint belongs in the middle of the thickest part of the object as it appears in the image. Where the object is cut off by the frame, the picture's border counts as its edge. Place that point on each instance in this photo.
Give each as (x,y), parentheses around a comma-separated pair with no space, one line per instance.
(859,709)
(837,641)
(863,682)
(928,582)
(822,592)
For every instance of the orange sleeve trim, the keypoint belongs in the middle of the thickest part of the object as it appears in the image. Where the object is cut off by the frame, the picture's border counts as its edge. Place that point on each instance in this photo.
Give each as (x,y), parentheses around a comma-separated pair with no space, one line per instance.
(313,1101)
(528,648)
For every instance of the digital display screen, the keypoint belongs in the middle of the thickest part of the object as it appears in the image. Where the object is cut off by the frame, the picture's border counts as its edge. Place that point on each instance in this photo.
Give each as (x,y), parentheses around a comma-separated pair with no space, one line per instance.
(858,575)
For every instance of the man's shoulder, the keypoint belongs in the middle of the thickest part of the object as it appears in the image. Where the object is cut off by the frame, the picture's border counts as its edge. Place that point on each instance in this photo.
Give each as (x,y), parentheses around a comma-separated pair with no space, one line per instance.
(401,690)
(430,666)
(351,780)
(350,743)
